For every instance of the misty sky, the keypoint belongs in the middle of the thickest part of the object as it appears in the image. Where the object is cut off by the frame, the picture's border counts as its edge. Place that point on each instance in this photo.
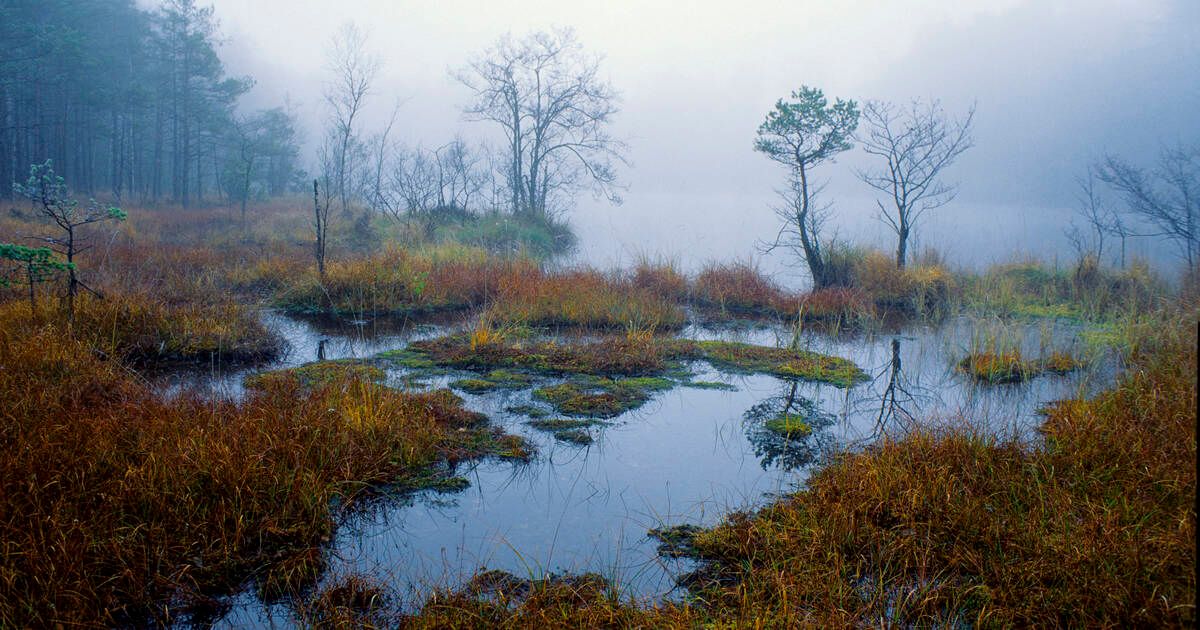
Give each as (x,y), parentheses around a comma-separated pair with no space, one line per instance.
(1057,82)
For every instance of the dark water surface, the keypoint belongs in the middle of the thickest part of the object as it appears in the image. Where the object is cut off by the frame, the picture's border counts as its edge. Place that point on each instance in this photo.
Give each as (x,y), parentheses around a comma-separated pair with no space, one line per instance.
(688,456)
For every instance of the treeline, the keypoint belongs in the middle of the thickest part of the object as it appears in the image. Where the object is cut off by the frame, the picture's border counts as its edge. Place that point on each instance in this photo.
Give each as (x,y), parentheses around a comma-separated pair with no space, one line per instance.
(134,103)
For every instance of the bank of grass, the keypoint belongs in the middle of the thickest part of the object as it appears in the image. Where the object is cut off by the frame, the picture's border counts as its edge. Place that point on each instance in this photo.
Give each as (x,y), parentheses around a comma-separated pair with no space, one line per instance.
(599,397)
(506,235)
(1085,290)
(869,287)
(1094,528)
(144,330)
(629,355)
(185,255)
(119,506)
(1011,366)
(584,297)
(401,282)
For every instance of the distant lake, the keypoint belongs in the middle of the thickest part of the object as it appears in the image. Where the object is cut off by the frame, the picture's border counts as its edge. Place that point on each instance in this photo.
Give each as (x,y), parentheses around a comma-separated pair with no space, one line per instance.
(693,229)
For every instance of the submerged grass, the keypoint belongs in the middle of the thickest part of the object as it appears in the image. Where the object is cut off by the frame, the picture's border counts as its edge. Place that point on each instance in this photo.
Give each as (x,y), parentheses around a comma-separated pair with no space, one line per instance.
(496,379)
(570,430)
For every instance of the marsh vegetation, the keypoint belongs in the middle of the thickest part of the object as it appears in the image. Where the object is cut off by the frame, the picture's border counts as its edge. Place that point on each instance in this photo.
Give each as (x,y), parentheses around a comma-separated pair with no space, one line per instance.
(389,393)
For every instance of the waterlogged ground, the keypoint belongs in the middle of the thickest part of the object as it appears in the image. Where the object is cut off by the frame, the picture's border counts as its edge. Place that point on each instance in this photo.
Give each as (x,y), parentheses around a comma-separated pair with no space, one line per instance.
(690,455)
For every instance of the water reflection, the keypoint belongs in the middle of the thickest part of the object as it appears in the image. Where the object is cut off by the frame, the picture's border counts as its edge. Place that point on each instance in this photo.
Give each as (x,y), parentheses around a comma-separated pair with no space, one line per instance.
(787,450)
(896,399)
(690,455)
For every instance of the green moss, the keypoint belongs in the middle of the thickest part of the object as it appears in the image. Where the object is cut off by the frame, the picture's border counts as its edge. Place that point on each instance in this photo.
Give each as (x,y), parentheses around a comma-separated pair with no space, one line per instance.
(321,373)
(571,399)
(560,424)
(474,385)
(410,358)
(496,379)
(574,436)
(647,383)
(750,359)
(615,356)
(509,380)
(789,425)
(717,385)
(532,411)
(598,397)
(651,360)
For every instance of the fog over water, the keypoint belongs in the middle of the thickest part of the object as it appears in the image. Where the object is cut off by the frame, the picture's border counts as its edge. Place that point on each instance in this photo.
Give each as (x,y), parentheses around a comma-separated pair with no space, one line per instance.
(1056,84)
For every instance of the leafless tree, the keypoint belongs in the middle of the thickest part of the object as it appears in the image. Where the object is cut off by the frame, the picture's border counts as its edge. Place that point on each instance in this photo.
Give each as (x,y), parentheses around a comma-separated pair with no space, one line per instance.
(1100,218)
(460,177)
(555,110)
(354,70)
(917,143)
(1166,200)
(320,225)
(381,148)
(411,191)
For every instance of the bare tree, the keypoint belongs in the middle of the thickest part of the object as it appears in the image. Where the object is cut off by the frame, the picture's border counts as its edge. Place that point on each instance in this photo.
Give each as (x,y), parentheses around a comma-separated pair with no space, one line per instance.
(555,110)
(916,143)
(411,190)
(460,178)
(1166,200)
(800,134)
(1101,219)
(381,148)
(354,70)
(320,226)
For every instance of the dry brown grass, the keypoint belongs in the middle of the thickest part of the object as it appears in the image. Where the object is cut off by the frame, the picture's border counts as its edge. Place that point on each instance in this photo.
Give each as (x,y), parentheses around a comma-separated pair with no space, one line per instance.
(1097,528)
(739,287)
(115,502)
(584,297)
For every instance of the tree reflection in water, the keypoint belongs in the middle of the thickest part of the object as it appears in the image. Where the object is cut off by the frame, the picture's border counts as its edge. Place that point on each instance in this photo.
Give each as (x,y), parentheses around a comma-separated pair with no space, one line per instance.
(786,451)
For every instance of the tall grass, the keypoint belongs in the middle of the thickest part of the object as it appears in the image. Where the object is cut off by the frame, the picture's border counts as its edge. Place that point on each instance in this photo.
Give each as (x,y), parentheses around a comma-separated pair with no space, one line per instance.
(117,505)
(144,330)
(584,297)
(1084,291)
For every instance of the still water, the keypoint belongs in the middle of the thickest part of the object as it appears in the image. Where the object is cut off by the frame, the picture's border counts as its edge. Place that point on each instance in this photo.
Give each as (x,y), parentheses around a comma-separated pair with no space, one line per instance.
(688,456)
